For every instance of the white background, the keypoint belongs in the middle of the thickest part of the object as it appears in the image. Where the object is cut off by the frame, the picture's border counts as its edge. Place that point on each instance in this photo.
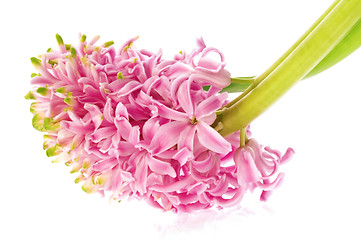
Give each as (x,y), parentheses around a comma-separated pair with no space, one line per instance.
(320,118)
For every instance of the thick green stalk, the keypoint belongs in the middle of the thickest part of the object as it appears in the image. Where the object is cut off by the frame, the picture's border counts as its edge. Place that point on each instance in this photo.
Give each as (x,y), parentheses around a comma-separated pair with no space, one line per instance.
(347,46)
(261,77)
(305,57)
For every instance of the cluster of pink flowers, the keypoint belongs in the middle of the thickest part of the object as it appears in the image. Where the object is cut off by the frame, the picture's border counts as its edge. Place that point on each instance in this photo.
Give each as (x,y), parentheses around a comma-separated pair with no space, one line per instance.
(135,125)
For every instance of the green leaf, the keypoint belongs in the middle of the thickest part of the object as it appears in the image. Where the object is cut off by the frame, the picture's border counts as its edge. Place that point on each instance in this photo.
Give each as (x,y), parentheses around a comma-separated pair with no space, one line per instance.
(238,84)
(348,45)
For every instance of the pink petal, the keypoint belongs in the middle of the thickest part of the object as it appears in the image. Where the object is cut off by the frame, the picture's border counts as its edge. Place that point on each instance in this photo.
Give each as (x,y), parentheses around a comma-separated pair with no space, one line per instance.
(163,87)
(137,113)
(174,199)
(102,133)
(169,113)
(42,81)
(247,171)
(287,156)
(210,105)
(121,111)
(186,137)
(265,195)
(150,84)
(125,148)
(210,64)
(108,111)
(129,88)
(268,185)
(178,69)
(150,128)
(197,188)
(211,139)
(166,137)
(91,95)
(105,164)
(178,185)
(186,198)
(209,119)
(272,151)
(87,81)
(184,98)
(175,87)
(219,80)
(160,167)
(201,45)
(143,99)
(74,117)
(105,145)
(263,165)
(95,113)
(203,163)
(123,127)
(235,199)
(45,73)
(221,187)
(183,156)
(65,137)
(76,128)
(141,173)
(134,135)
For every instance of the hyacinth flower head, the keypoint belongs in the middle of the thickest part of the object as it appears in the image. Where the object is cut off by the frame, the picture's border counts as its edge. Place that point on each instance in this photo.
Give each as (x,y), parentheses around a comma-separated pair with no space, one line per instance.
(135,125)
(131,124)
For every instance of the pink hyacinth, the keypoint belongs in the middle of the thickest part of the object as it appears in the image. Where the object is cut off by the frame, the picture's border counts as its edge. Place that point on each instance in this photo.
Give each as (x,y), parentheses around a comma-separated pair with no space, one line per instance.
(135,125)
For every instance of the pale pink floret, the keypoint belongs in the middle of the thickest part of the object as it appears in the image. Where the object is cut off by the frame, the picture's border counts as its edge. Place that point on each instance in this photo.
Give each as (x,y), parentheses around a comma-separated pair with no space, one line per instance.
(135,125)
(256,166)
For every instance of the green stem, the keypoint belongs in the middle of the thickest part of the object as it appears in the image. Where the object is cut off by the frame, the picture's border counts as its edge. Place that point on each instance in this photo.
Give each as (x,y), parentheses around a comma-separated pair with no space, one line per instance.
(327,34)
(261,77)
(243,137)
(347,46)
